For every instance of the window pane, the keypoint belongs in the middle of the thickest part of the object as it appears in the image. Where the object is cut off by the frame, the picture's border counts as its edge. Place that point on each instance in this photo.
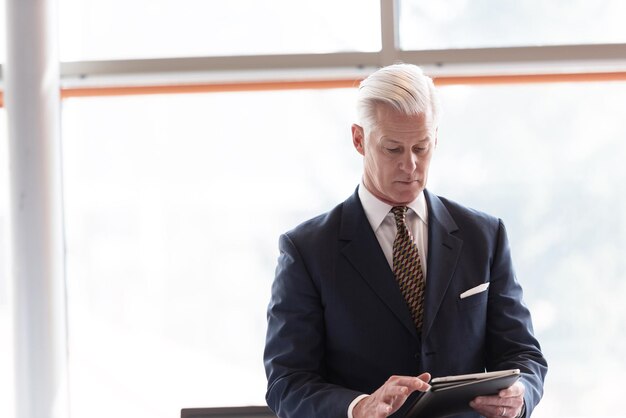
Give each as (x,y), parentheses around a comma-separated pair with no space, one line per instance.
(6,325)
(548,159)
(495,23)
(163,312)
(118,29)
(174,205)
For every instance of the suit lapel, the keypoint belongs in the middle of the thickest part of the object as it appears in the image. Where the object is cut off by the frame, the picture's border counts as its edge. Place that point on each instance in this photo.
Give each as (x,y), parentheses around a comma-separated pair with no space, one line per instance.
(364,253)
(443,254)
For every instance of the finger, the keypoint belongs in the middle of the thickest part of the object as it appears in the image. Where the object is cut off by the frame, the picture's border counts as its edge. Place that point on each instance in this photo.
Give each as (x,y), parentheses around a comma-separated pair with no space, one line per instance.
(497,401)
(421,383)
(496,410)
(392,391)
(412,383)
(488,401)
(517,389)
(383,409)
(424,377)
(493,411)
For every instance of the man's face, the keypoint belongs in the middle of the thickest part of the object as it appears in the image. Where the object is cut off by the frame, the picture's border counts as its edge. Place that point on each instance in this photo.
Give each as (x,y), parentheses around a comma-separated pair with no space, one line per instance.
(396,154)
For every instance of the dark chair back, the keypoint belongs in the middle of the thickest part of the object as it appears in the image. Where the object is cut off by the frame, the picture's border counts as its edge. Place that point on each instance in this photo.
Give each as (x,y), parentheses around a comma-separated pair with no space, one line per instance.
(232,412)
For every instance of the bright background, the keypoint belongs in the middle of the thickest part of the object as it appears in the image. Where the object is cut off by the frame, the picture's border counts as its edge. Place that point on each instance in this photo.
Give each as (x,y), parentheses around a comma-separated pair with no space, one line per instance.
(174,203)
(505,23)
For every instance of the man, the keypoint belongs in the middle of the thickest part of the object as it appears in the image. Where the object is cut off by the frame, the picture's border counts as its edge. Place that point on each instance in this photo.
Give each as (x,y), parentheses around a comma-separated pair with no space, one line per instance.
(396,284)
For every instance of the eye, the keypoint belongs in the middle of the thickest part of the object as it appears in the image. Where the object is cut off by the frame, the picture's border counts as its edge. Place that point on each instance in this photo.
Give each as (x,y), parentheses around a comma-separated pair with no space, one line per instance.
(393,150)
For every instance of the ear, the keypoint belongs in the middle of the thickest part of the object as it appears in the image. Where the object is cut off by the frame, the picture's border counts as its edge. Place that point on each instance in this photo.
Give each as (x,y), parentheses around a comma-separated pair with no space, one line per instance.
(358,138)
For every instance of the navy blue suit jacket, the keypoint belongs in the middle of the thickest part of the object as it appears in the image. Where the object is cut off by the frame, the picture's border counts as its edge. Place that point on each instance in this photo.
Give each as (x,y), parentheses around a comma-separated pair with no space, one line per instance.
(339,327)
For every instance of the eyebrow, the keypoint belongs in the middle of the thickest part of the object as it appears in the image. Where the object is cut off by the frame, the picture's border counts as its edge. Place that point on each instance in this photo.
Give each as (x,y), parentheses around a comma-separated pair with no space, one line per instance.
(385,138)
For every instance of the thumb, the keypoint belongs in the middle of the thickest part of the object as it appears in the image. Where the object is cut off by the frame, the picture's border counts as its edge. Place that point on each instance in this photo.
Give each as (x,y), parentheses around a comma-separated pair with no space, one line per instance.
(424,377)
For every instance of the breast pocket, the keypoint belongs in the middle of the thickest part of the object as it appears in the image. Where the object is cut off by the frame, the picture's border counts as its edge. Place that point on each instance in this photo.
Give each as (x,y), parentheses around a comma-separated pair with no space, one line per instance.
(473,301)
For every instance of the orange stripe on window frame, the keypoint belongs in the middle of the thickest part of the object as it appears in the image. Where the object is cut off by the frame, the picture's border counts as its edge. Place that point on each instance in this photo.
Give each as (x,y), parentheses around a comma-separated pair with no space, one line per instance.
(70,92)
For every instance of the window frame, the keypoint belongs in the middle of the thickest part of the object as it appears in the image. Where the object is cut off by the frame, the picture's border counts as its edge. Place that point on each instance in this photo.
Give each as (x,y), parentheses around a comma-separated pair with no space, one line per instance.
(529,64)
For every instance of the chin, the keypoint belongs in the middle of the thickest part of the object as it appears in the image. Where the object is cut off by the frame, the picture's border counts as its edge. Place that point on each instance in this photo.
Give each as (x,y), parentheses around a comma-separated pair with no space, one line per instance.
(408,197)
(404,198)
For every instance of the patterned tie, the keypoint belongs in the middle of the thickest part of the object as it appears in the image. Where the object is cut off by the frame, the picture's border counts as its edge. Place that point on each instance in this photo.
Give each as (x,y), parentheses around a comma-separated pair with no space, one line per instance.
(407,267)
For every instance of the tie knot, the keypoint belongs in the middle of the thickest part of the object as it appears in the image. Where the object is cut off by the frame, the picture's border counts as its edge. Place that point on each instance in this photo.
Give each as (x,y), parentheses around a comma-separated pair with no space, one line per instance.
(400,213)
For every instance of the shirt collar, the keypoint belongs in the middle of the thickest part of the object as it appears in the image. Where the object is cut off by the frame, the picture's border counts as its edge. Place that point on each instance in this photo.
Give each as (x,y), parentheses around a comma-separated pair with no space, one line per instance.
(376,210)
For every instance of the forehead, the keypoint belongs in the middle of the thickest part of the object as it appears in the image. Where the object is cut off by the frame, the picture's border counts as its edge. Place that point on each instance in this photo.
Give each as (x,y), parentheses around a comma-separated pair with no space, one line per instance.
(392,122)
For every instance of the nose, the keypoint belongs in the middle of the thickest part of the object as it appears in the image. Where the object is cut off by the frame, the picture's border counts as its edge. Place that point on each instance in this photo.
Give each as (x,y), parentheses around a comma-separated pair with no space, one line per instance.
(408,162)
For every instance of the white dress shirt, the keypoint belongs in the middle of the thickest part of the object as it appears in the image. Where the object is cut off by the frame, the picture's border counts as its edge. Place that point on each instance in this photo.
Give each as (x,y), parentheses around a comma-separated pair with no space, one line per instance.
(383,224)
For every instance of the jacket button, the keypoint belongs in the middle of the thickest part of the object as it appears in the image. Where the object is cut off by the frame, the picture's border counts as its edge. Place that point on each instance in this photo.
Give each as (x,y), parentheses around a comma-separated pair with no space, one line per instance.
(417,356)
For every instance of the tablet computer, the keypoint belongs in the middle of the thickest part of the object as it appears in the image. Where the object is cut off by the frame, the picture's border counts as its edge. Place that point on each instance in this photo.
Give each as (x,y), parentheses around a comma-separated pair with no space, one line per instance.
(452,394)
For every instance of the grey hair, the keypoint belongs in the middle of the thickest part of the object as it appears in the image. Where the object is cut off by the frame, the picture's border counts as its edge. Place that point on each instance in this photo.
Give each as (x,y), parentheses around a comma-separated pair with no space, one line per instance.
(404,87)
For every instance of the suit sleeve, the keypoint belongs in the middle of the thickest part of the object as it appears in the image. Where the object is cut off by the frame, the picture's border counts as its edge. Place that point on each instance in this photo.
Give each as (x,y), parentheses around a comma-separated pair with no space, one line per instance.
(510,340)
(294,349)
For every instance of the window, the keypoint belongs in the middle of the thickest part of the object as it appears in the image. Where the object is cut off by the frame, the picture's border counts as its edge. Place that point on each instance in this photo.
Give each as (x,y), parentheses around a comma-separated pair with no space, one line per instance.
(174,205)
(160,299)
(119,29)
(506,23)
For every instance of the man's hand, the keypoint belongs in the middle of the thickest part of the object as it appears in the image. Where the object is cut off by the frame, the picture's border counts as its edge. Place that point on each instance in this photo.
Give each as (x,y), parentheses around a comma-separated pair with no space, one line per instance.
(391,396)
(508,403)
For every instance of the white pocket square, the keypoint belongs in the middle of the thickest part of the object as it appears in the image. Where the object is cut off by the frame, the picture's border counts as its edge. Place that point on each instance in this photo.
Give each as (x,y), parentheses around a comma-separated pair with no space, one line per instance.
(474,290)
